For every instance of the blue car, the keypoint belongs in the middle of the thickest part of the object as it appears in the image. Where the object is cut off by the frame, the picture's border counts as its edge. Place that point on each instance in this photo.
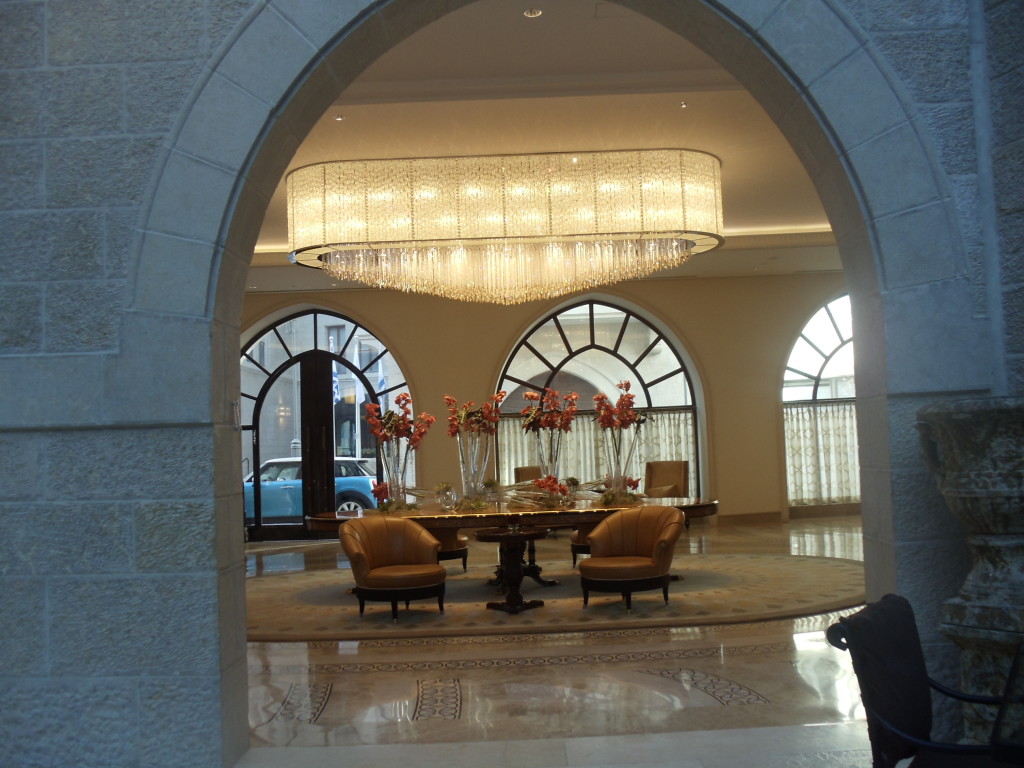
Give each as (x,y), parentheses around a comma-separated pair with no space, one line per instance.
(281,490)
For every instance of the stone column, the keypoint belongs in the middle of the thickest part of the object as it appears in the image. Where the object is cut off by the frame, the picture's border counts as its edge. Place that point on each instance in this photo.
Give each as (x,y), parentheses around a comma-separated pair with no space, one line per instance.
(975,449)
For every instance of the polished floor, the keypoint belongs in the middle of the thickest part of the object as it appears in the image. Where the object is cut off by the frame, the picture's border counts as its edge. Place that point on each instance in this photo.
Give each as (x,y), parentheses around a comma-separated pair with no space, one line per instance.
(770,693)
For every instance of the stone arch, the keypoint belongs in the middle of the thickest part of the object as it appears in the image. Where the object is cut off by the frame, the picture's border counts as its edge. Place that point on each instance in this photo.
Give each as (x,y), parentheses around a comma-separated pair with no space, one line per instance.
(885,194)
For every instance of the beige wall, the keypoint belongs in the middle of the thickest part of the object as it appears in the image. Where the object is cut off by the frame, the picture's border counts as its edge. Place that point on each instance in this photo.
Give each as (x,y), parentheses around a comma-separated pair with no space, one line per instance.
(737,331)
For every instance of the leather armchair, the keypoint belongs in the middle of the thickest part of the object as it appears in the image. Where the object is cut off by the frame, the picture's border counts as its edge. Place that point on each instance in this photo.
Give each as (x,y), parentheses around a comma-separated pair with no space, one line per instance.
(392,559)
(631,550)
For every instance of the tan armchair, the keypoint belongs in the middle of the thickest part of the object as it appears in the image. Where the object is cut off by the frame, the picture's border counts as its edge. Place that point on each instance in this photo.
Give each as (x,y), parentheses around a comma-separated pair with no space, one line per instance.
(392,559)
(631,550)
(666,478)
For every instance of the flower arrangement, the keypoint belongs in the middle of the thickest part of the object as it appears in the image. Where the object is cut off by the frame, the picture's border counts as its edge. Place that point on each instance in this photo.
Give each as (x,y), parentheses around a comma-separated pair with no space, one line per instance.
(473,426)
(548,417)
(549,411)
(470,417)
(554,492)
(620,425)
(398,435)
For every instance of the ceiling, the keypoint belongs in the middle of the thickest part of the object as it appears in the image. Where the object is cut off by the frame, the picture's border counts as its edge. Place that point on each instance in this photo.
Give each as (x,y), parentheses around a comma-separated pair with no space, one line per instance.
(584,75)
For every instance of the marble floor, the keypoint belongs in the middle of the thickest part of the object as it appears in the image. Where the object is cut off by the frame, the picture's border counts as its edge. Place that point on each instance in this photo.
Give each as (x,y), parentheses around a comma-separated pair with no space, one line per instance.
(705,697)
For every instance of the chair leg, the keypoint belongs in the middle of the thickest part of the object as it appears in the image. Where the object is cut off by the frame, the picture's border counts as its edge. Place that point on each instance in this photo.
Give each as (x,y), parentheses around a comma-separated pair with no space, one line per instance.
(362,606)
(394,610)
(628,596)
(440,602)
(574,558)
(465,559)
(586,597)
(664,592)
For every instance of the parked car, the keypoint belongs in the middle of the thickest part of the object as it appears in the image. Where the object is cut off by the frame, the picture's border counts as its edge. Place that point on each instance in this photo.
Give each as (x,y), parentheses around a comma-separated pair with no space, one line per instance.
(281,489)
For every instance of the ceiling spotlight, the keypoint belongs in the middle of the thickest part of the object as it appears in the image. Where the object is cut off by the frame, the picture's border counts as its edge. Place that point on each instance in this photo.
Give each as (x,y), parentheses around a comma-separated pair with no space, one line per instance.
(532,13)
(339,118)
(683,105)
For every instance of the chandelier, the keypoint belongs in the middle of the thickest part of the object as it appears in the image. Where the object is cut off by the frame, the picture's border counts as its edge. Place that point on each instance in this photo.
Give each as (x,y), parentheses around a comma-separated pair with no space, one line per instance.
(505,228)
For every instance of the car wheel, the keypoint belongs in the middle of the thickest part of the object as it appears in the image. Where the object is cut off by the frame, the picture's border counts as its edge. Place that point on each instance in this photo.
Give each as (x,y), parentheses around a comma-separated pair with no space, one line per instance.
(349,506)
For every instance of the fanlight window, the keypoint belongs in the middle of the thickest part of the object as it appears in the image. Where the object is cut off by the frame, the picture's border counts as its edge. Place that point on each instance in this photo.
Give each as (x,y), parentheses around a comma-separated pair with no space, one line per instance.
(819,413)
(588,348)
(820,366)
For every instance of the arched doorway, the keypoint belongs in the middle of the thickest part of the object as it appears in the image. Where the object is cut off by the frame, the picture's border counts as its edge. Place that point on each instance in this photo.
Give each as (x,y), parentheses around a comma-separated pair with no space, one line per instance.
(867,167)
(306,449)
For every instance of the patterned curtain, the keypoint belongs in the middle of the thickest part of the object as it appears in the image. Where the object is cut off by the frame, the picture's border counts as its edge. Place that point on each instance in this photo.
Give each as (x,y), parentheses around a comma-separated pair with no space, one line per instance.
(821,452)
(667,435)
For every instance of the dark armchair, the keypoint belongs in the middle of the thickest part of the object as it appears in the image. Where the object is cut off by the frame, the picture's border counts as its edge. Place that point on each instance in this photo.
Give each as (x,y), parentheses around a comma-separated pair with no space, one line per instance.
(887,658)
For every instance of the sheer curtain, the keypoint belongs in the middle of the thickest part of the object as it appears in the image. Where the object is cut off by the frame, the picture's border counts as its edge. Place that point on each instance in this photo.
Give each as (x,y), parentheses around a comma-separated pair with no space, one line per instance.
(668,434)
(821,452)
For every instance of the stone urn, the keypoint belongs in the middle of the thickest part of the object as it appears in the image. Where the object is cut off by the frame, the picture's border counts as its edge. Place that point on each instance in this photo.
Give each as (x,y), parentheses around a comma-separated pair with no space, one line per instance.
(975,450)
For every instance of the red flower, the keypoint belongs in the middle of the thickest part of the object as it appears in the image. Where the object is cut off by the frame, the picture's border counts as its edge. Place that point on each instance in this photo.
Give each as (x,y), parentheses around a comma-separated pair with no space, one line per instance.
(550,412)
(469,417)
(622,415)
(380,492)
(396,424)
(550,484)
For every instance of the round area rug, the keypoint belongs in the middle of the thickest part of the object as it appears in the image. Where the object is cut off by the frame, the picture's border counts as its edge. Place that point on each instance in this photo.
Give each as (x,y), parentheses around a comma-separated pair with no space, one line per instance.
(713,589)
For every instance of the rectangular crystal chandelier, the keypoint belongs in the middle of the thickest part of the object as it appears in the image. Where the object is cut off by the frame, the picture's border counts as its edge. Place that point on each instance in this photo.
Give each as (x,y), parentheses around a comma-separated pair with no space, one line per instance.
(505,229)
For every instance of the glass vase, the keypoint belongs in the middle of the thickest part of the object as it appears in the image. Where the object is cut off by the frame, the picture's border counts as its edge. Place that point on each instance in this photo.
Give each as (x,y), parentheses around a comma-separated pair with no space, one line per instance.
(474,453)
(394,454)
(549,449)
(619,447)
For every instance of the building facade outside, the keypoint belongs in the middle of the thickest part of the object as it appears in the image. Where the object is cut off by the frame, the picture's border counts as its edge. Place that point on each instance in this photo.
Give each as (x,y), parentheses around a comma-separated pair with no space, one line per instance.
(139,145)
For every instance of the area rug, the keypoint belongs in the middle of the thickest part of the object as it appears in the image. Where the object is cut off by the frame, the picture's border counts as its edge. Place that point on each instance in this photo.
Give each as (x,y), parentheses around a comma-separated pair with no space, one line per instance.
(714,589)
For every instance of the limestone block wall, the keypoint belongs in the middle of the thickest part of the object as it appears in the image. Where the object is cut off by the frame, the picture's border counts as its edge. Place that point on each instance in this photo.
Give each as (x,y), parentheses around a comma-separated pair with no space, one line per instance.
(137,142)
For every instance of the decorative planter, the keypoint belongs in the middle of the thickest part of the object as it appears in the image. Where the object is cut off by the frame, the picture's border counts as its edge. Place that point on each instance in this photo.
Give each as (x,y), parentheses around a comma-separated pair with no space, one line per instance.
(975,449)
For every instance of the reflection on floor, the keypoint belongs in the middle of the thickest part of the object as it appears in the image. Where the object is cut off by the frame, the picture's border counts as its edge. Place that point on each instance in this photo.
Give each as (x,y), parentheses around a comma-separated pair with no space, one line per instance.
(773,692)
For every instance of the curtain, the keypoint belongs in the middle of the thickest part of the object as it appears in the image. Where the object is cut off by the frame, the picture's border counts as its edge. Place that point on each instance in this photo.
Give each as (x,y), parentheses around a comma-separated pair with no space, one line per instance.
(821,452)
(667,435)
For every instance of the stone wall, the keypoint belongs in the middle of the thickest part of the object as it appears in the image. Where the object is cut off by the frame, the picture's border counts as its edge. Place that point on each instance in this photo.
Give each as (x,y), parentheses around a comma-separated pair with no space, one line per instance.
(138,142)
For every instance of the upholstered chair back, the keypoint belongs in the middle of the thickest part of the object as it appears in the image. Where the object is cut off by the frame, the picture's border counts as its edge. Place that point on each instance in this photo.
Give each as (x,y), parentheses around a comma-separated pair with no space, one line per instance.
(649,532)
(667,478)
(375,542)
(522,474)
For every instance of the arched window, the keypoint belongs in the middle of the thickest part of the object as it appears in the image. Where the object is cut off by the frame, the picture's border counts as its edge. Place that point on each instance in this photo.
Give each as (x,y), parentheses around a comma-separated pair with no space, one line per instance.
(588,348)
(306,380)
(819,411)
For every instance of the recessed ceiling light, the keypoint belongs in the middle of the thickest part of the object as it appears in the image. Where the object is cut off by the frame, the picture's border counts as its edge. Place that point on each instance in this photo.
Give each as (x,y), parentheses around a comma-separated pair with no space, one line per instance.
(339,118)
(532,13)
(683,105)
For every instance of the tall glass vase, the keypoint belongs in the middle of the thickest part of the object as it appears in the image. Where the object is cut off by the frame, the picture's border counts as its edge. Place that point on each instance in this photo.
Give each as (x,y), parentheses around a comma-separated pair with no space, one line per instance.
(549,450)
(474,453)
(394,454)
(619,447)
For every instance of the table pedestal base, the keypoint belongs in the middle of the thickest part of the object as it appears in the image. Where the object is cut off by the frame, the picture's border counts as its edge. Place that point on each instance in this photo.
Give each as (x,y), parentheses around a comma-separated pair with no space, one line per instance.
(511,548)
(524,605)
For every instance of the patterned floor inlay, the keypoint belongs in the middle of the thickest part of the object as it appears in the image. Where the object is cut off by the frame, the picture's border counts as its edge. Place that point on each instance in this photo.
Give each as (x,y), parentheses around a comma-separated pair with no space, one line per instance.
(304,702)
(523,661)
(722,690)
(438,700)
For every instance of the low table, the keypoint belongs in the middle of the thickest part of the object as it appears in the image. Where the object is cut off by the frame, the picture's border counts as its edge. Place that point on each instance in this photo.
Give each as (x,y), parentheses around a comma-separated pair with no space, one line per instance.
(512,542)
